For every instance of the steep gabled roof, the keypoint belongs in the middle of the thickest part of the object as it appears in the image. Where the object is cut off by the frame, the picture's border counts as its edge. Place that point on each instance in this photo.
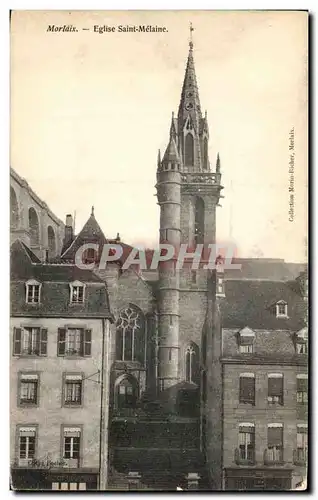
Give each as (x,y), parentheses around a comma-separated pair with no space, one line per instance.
(91,233)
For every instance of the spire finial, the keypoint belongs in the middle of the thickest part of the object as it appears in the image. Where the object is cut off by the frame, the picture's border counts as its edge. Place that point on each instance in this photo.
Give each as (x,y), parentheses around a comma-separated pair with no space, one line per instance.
(92,213)
(218,163)
(191,39)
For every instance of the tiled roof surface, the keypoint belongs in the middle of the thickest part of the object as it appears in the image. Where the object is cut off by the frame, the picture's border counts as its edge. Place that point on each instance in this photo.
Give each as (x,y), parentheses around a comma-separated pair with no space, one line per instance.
(253,304)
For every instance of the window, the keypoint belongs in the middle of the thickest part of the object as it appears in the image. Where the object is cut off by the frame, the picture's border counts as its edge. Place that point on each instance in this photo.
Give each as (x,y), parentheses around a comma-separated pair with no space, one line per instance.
(281,309)
(73,390)
(220,286)
(301,341)
(28,391)
(130,335)
(247,388)
(74,342)
(246,442)
(302,388)
(274,443)
(302,443)
(193,276)
(246,338)
(33,292)
(199,221)
(246,349)
(275,388)
(301,348)
(205,153)
(26,452)
(189,150)
(192,363)
(71,445)
(69,486)
(161,384)
(30,341)
(77,292)
(127,393)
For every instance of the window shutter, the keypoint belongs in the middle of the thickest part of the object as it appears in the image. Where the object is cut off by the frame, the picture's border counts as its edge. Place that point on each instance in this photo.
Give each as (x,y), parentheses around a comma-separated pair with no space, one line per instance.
(87,342)
(43,342)
(61,341)
(37,341)
(17,339)
(275,436)
(275,386)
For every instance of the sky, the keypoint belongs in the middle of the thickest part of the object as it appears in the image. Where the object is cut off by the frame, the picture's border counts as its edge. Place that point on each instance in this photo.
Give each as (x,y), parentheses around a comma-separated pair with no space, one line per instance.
(89,112)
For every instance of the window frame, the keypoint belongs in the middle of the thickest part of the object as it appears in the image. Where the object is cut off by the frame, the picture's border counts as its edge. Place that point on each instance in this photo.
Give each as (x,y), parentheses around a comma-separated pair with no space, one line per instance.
(280,396)
(243,425)
(80,286)
(33,284)
(279,304)
(19,428)
(85,346)
(301,400)
(247,376)
(73,377)
(24,375)
(41,339)
(76,427)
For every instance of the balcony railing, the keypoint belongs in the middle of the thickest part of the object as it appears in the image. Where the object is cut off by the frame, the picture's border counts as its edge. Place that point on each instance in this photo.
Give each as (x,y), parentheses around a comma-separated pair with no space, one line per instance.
(273,456)
(300,456)
(244,456)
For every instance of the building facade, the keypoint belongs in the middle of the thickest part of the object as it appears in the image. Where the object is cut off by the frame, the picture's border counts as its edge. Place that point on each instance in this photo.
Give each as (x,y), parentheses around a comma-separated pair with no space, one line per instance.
(59,375)
(265,385)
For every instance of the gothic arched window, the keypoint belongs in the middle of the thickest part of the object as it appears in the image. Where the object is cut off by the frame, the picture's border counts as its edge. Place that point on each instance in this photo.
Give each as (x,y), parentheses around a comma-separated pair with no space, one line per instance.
(51,241)
(130,338)
(34,227)
(126,392)
(205,152)
(199,221)
(14,209)
(192,363)
(189,150)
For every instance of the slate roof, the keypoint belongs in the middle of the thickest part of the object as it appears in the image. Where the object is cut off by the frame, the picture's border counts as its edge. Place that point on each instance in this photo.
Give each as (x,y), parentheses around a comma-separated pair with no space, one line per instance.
(55,290)
(265,269)
(253,304)
(90,233)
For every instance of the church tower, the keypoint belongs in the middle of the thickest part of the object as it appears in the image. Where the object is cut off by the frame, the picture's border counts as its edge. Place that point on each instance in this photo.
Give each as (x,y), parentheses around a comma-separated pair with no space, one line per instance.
(188,193)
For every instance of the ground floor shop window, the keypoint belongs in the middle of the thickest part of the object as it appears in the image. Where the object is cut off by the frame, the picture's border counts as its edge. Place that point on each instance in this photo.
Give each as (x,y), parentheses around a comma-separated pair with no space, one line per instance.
(69,486)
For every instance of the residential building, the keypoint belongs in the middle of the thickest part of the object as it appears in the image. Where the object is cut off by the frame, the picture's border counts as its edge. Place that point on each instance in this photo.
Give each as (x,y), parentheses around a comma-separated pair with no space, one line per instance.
(59,374)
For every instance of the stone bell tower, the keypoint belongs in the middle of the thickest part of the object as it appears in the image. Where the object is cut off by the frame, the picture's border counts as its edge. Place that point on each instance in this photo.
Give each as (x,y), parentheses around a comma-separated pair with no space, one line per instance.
(188,193)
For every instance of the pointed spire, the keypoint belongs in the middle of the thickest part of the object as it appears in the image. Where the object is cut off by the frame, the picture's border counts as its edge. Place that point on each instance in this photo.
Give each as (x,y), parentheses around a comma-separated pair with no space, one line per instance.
(218,164)
(171,154)
(190,101)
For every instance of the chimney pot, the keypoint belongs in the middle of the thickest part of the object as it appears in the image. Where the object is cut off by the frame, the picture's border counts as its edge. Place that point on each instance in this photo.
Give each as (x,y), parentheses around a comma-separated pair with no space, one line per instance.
(69,220)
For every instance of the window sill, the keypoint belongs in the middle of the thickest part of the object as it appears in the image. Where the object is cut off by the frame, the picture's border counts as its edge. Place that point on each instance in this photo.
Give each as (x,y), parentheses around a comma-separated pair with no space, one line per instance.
(30,355)
(73,356)
(244,403)
(72,405)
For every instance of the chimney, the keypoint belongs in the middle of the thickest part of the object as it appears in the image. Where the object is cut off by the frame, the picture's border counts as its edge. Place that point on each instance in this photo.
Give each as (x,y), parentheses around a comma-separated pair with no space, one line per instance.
(68,236)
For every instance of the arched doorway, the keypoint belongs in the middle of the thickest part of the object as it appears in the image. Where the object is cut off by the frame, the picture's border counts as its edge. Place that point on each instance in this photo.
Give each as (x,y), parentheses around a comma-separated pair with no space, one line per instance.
(126,392)
(34,227)
(14,209)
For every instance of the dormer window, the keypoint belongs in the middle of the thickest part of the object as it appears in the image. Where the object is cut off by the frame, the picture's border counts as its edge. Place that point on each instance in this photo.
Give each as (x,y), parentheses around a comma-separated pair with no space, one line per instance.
(33,289)
(246,338)
(301,341)
(281,309)
(77,292)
